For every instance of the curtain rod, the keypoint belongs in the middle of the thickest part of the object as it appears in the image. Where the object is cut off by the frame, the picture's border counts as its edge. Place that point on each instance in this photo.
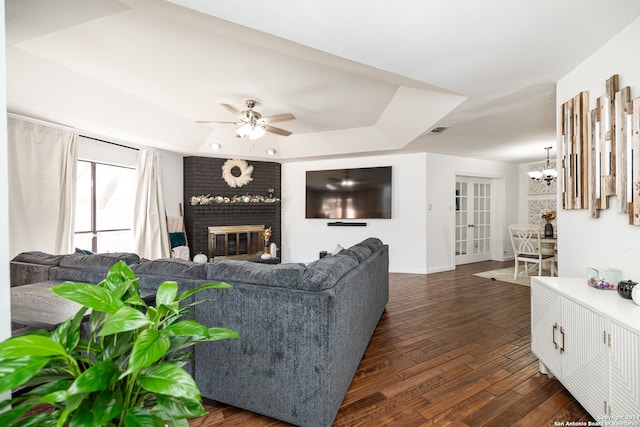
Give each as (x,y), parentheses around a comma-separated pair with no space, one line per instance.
(63,127)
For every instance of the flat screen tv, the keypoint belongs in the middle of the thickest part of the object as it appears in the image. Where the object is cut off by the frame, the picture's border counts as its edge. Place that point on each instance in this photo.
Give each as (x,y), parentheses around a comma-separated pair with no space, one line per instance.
(362,193)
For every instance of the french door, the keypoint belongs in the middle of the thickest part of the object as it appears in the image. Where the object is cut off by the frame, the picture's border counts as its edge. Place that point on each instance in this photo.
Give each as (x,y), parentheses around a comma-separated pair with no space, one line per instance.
(473,220)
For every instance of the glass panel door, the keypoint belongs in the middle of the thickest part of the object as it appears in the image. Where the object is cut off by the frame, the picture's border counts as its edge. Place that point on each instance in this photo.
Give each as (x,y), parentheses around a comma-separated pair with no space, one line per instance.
(473,220)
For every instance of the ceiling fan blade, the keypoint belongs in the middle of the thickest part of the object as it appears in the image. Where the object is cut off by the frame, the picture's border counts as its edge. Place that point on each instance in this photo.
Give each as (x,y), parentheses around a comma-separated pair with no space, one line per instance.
(279,118)
(276,130)
(231,109)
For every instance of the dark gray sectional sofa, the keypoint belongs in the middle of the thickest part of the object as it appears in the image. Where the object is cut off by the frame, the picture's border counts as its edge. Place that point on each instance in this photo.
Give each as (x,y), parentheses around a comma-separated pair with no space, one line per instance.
(304,327)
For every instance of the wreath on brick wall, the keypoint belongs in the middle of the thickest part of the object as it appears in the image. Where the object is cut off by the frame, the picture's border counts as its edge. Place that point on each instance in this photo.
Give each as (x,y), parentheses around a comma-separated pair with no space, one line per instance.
(245,173)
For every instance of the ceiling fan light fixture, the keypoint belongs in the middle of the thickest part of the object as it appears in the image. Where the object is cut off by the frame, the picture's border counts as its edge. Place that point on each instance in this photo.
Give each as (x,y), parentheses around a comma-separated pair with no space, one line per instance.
(256,132)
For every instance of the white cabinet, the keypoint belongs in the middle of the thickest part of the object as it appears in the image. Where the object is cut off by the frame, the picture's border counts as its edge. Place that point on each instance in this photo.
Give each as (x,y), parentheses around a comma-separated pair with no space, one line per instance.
(624,371)
(590,340)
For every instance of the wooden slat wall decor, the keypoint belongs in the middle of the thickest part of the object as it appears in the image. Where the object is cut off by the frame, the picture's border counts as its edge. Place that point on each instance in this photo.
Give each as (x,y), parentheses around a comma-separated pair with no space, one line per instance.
(621,102)
(575,152)
(594,157)
(600,152)
(636,163)
(608,140)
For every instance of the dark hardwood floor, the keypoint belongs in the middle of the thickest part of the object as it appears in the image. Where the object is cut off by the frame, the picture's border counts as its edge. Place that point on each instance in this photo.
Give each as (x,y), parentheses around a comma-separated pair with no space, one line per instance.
(451,349)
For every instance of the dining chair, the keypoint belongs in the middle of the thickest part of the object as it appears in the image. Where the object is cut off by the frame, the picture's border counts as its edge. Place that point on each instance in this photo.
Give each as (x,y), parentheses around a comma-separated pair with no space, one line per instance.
(525,239)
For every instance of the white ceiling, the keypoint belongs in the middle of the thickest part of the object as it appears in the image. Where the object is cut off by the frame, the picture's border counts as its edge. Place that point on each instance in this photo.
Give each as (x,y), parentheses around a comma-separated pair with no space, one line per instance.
(360,77)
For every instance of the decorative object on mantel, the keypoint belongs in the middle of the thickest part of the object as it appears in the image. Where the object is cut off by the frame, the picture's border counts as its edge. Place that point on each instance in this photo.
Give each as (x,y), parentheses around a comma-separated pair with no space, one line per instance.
(548,174)
(548,227)
(237,181)
(266,235)
(207,199)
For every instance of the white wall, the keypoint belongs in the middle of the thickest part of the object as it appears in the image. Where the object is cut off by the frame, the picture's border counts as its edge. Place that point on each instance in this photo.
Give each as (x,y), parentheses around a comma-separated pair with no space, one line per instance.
(441,177)
(405,232)
(608,241)
(5,289)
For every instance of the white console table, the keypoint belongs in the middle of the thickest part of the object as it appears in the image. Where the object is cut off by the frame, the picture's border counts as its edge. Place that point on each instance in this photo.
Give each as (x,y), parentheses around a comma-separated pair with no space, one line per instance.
(590,340)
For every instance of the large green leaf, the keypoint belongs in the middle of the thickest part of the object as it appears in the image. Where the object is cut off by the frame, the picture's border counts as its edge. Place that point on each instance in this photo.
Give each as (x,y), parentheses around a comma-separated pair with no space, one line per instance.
(15,372)
(38,420)
(172,408)
(98,377)
(187,328)
(49,387)
(166,293)
(177,423)
(93,296)
(125,319)
(138,417)
(107,405)
(83,417)
(216,285)
(30,345)
(169,380)
(114,346)
(216,334)
(68,332)
(149,347)
(10,416)
(48,375)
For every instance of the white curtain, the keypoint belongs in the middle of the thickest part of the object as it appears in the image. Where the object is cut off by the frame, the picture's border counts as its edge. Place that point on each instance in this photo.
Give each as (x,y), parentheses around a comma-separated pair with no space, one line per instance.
(42,186)
(150,235)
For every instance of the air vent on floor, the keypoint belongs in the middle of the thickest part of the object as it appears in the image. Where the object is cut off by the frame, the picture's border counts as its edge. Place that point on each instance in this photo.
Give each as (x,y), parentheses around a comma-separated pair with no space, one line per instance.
(437,130)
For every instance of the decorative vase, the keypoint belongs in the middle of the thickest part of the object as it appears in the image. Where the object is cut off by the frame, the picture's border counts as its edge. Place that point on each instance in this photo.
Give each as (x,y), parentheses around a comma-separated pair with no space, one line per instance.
(548,229)
(625,288)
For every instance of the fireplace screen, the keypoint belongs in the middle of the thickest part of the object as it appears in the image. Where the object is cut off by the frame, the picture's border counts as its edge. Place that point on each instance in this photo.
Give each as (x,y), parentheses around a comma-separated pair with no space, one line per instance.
(238,241)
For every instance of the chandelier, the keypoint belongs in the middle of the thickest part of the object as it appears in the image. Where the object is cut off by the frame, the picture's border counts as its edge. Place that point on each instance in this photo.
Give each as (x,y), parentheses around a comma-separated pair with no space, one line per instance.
(547,174)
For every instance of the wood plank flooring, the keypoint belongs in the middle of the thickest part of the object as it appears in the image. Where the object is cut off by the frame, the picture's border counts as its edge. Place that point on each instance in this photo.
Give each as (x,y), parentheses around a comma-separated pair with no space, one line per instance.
(451,349)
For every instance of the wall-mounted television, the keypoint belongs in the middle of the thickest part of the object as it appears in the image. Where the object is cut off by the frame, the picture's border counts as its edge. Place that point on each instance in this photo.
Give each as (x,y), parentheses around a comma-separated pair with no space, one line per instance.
(357,193)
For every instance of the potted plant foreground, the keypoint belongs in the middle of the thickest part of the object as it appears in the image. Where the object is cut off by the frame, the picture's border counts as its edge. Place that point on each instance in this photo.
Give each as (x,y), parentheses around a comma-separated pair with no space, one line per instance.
(126,370)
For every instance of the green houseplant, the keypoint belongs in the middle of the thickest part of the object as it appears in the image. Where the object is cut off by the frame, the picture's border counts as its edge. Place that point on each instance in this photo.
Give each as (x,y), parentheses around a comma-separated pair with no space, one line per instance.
(126,370)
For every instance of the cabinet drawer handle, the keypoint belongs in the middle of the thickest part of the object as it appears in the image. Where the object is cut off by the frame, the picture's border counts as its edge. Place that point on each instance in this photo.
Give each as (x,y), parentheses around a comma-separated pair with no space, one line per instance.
(553,333)
(562,347)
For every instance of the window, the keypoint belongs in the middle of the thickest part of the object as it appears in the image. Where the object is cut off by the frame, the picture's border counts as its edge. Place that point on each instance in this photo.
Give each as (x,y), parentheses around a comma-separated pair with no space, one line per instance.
(104,207)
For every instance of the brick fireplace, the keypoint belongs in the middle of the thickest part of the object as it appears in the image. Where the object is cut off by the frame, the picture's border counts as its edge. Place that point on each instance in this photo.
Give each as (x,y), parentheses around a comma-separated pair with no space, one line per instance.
(203,175)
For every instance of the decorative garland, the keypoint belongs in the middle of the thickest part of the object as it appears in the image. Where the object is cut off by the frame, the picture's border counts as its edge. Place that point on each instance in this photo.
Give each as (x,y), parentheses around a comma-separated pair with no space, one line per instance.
(207,199)
(245,173)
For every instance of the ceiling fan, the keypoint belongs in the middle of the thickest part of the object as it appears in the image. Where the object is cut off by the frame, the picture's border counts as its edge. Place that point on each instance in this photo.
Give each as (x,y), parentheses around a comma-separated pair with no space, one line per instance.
(252,124)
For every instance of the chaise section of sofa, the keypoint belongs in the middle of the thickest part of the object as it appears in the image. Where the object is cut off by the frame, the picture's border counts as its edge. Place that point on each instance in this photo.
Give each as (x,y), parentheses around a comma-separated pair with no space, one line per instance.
(304,330)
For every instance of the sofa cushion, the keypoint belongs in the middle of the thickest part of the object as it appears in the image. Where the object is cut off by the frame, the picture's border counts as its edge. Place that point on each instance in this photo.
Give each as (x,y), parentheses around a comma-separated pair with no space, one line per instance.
(170,268)
(37,257)
(97,262)
(325,273)
(287,275)
(361,252)
(372,243)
